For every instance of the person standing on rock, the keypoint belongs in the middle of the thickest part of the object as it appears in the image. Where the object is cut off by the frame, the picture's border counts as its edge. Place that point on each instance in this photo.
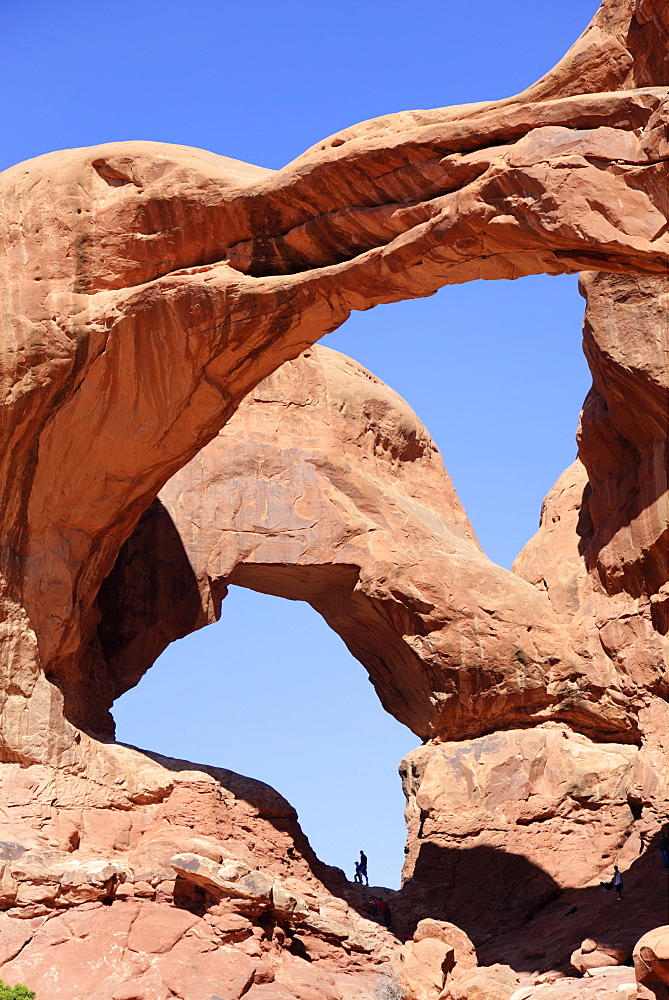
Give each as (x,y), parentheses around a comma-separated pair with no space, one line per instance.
(361,867)
(618,881)
(358,874)
(664,847)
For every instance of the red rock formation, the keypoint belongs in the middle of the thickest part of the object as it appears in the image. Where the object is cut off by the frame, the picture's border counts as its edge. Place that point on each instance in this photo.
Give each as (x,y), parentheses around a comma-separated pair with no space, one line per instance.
(346,470)
(325,487)
(205,274)
(438,954)
(651,964)
(600,556)
(149,288)
(156,875)
(330,500)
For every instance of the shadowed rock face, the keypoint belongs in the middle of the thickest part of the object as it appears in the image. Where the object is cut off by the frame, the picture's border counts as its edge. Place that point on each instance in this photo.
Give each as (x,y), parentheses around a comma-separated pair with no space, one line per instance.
(147,290)
(601,550)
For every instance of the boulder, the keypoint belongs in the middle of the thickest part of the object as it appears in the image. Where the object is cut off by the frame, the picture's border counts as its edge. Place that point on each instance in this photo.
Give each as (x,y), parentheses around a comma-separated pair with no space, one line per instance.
(464,952)
(598,984)
(495,982)
(424,967)
(596,955)
(651,964)
(233,877)
(288,904)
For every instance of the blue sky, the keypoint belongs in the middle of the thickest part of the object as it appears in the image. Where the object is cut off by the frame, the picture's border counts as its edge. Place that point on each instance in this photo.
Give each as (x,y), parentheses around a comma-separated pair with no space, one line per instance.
(494,369)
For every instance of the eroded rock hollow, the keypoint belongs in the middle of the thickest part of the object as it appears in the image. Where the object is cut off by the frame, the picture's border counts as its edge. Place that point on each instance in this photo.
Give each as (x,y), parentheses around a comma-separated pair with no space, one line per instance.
(164,408)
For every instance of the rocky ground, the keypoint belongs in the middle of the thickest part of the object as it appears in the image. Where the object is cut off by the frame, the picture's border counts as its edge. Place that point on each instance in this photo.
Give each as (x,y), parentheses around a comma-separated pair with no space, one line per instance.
(171,880)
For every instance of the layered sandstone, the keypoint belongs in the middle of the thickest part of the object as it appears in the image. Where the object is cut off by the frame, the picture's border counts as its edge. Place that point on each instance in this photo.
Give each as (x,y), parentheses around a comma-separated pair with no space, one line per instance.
(349,507)
(543,814)
(325,487)
(601,552)
(205,274)
(148,290)
(166,878)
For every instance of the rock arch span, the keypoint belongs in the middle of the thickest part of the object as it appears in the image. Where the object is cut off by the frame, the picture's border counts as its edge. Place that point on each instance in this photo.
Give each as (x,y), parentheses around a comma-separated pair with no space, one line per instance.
(325,487)
(148,290)
(160,284)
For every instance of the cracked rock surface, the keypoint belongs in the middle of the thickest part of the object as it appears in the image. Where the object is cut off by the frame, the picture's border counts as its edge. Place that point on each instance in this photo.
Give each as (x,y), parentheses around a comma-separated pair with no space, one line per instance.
(159,308)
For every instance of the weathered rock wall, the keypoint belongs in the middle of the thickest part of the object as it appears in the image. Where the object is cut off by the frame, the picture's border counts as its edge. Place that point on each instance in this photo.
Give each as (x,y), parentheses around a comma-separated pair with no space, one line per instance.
(205,274)
(155,877)
(548,809)
(325,487)
(349,507)
(601,551)
(147,289)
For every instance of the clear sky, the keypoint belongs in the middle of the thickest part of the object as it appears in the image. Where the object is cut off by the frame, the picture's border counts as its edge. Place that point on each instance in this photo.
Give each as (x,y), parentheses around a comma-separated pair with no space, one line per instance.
(494,369)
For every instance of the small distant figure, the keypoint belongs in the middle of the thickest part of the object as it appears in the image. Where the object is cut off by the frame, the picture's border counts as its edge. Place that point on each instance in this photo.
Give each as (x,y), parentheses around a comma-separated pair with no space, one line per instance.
(664,847)
(362,867)
(381,911)
(358,874)
(615,883)
(618,881)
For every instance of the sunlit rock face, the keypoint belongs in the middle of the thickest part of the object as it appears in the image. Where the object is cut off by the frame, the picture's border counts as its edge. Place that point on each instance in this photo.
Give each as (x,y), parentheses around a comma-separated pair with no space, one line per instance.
(538,811)
(528,811)
(324,486)
(151,287)
(102,892)
(148,289)
(601,551)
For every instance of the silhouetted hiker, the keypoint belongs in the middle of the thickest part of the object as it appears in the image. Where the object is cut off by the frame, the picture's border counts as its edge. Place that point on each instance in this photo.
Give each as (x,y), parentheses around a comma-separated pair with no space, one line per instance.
(664,847)
(618,881)
(362,867)
(358,874)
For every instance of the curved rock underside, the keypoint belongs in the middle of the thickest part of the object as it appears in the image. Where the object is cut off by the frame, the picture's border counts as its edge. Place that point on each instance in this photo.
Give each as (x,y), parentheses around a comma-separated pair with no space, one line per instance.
(325,487)
(148,290)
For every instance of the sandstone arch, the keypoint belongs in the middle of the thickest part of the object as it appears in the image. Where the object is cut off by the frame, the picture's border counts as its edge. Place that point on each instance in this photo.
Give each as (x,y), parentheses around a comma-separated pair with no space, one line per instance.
(325,487)
(150,288)
(373,526)
(142,257)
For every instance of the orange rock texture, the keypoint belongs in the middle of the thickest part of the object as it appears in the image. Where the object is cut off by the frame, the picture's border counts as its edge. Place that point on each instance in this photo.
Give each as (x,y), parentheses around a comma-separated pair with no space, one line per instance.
(324,486)
(148,290)
(543,813)
(150,287)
